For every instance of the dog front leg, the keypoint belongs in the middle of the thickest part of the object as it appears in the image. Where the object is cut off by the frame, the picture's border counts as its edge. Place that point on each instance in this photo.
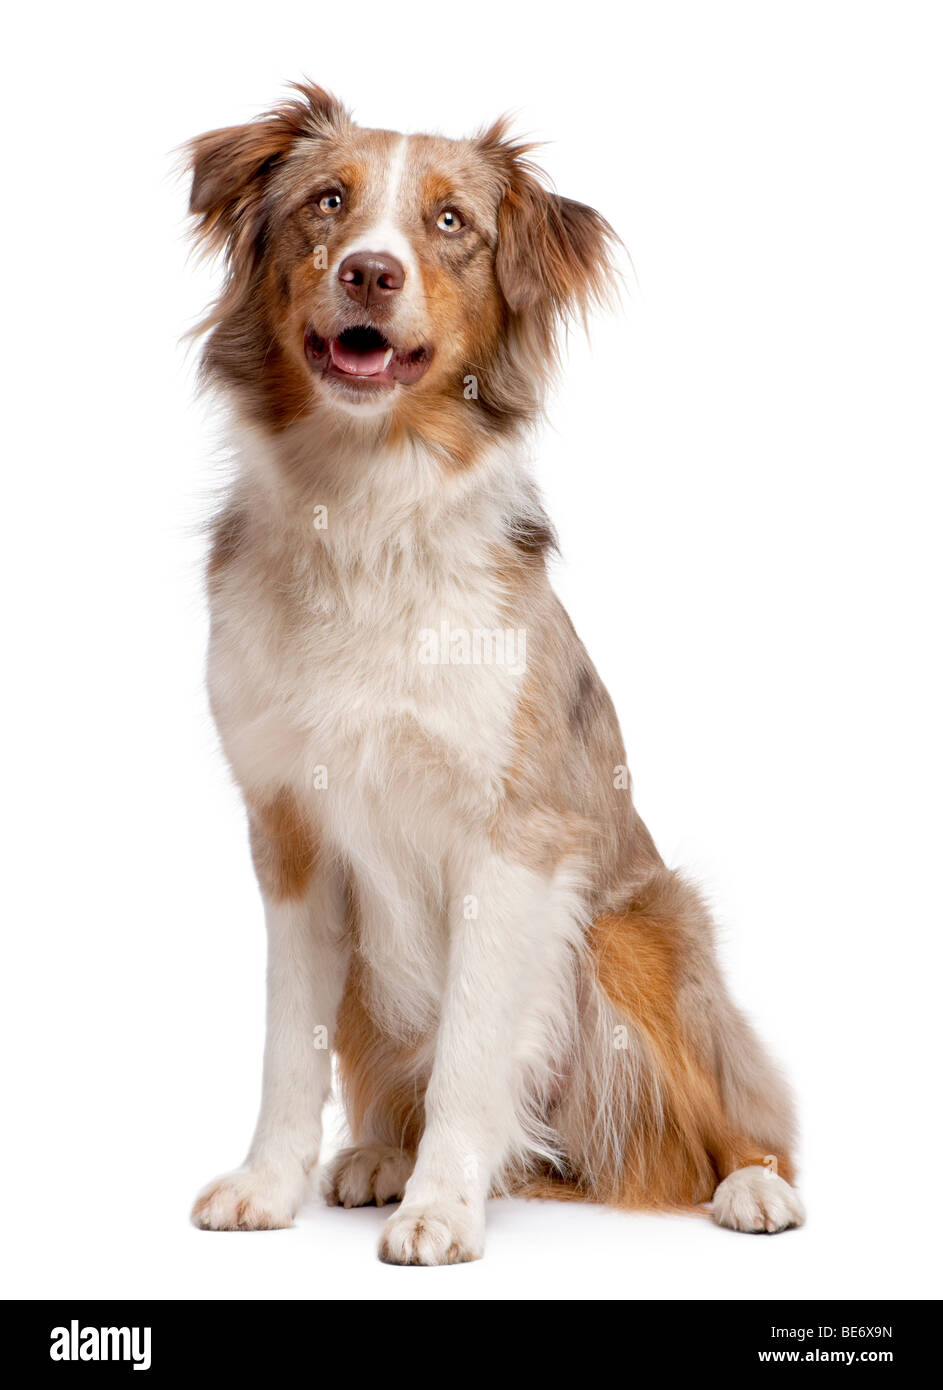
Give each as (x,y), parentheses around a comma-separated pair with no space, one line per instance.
(307,967)
(509,933)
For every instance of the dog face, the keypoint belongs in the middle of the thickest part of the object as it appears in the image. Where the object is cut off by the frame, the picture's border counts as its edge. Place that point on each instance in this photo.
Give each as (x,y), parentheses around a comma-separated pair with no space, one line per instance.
(386,252)
(372,273)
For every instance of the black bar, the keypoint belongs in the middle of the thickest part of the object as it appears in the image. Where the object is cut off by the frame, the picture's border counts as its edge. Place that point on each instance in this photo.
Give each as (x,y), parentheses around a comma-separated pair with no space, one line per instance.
(657,1338)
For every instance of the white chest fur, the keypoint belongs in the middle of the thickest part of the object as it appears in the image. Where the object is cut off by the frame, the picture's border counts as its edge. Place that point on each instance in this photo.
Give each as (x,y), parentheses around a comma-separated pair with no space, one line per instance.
(380,686)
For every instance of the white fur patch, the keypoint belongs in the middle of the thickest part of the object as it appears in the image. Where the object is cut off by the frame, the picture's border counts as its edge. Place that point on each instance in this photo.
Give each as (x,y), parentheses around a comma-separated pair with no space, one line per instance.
(385,233)
(757,1200)
(249,1200)
(365,1174)
(438,1233)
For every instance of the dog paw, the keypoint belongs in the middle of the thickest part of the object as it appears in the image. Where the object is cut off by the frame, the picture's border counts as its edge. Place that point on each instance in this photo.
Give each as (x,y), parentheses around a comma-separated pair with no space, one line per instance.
(434,1233)
(247,1200)
(756,1200)
(365,1174)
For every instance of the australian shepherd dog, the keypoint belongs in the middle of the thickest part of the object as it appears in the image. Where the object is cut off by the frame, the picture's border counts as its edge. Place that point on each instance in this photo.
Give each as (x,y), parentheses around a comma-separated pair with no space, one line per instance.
(464,910)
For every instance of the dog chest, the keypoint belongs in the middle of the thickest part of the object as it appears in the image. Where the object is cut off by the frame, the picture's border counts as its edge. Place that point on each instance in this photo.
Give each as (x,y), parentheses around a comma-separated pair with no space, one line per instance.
(364,698)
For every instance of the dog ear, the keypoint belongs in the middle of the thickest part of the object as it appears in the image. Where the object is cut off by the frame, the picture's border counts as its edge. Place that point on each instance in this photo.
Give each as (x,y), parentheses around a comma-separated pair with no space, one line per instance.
(230,167)
(554,256)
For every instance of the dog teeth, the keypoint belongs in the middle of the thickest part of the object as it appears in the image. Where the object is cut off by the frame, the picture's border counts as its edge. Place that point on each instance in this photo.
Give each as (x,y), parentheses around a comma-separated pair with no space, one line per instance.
(387,358)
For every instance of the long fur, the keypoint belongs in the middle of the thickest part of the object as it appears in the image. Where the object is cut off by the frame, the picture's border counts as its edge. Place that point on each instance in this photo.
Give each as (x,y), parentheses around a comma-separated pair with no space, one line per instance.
(463,904)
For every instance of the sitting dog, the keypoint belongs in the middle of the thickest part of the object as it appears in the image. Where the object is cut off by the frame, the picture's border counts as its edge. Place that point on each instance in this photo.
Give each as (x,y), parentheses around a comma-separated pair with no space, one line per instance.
(463,906)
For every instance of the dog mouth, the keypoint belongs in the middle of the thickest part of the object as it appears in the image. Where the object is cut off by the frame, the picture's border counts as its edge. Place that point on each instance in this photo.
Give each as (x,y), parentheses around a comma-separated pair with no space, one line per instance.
(364,359)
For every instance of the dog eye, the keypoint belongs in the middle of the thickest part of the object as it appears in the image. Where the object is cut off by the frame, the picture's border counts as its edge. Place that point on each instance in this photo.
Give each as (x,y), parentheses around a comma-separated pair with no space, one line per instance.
(330,203)
(449,220)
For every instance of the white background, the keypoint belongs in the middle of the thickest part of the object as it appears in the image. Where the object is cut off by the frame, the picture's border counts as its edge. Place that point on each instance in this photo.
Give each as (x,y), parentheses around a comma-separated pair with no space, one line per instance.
(743,466)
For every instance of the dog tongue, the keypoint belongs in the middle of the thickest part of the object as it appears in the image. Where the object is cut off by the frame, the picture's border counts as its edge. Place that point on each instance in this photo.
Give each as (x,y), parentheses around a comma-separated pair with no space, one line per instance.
(358,363)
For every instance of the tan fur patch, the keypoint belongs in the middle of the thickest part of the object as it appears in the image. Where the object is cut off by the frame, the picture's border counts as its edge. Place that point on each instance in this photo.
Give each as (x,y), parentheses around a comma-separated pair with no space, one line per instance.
(284,846)
(681,1154)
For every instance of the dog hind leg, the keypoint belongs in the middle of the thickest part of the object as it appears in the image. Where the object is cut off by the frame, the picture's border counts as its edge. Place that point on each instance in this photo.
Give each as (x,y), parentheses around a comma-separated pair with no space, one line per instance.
(674,1101)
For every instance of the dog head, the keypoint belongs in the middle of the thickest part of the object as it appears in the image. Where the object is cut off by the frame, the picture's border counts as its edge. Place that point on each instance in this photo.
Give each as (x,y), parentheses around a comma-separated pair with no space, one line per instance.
(410,280)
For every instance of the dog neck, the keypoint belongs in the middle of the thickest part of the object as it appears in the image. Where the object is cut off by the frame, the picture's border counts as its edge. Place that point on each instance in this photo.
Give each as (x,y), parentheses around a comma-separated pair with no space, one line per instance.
(366,497)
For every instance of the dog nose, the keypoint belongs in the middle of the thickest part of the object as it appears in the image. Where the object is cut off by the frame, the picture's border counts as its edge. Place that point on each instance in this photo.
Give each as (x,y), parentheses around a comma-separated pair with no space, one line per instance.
(371,276)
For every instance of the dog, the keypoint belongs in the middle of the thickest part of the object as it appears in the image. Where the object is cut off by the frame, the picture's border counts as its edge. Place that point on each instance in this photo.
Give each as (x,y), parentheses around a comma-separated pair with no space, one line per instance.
(463,906)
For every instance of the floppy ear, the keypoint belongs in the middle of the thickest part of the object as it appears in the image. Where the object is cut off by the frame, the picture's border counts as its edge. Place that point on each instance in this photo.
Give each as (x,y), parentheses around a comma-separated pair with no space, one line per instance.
(554,257)
(230,167)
